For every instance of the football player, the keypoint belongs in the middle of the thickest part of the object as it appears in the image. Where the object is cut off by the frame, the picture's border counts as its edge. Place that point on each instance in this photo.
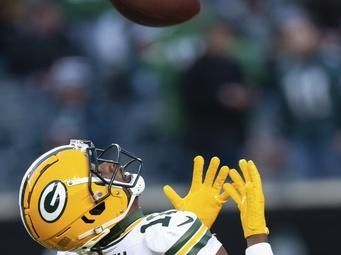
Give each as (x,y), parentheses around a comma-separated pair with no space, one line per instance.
(79,199)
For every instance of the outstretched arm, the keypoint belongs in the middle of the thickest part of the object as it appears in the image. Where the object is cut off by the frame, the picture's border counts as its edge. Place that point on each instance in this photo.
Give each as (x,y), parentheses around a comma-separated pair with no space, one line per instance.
(205,197)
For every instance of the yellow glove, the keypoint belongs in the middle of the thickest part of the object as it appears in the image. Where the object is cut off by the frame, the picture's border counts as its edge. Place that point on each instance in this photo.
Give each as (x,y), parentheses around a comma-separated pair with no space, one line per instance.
(248,194)
(204,198)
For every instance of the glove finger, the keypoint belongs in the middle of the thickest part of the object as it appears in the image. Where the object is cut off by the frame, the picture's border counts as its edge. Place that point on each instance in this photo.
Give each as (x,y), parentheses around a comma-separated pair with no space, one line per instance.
(172,196)
(255,176)
(238,181)
(251,197)
(212,171)
(244,167)
(223,197)
(231,191)
(198,166)
(221,178)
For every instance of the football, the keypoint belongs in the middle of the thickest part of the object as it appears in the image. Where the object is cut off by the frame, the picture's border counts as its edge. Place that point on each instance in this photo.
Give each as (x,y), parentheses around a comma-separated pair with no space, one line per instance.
(157,13)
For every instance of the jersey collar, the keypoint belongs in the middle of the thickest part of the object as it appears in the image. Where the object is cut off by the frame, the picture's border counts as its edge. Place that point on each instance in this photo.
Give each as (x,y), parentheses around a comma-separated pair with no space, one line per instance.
(120,227)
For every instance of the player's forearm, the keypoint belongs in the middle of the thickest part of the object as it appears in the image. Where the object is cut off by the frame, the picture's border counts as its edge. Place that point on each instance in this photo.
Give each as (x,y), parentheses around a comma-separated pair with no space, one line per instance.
(258,245)
(255,239)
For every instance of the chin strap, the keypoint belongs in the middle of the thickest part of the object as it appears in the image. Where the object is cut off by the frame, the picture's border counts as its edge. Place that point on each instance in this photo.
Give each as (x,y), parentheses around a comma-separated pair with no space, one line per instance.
(139,187)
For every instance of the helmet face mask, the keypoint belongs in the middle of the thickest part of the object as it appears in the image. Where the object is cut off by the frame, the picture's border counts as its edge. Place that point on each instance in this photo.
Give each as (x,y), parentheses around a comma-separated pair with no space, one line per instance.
(127,168)
(72,195)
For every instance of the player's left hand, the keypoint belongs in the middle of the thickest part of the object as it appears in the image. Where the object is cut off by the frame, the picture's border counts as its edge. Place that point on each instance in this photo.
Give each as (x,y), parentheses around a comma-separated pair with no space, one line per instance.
(205,198)
(247,192)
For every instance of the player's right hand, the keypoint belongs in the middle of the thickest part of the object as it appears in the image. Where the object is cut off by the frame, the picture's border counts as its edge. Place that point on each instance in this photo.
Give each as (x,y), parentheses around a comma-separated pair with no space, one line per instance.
(247,192)
(205,197)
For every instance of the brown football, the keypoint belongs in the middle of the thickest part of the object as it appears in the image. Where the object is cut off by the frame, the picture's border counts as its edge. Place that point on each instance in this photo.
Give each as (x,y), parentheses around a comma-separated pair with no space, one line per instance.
(157,13)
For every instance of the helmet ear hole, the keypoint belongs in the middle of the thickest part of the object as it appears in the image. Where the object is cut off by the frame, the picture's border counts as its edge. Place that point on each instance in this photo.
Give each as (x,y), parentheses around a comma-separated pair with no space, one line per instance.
(86,220)
(98,209)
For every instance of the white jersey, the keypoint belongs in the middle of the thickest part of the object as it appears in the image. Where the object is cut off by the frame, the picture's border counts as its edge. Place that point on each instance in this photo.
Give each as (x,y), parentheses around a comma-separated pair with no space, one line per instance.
(170,233)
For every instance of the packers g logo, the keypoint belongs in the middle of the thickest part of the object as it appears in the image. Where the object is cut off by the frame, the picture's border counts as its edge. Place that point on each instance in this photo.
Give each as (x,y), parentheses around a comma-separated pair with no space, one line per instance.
(52,201)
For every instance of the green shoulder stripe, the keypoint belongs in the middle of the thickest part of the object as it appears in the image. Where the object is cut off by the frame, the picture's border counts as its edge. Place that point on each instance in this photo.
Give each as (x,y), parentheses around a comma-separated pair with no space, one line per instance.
(185,238)
(202,242)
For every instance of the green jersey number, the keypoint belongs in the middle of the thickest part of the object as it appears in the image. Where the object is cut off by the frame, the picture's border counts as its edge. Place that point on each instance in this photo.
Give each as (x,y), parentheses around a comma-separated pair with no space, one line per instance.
(164,221)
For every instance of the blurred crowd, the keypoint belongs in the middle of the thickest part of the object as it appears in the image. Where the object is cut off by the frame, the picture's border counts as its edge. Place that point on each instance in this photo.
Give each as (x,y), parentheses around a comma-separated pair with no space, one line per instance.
(259,79)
